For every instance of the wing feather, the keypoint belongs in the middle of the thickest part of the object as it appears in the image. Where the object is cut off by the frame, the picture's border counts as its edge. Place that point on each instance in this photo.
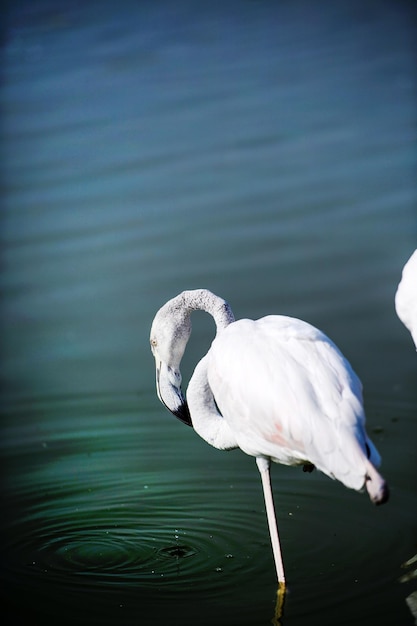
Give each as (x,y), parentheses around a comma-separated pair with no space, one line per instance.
(288,393)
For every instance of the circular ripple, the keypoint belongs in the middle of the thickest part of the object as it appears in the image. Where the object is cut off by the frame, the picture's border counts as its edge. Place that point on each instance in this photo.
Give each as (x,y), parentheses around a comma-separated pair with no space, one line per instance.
(176,551)
(94,552)
(91,514)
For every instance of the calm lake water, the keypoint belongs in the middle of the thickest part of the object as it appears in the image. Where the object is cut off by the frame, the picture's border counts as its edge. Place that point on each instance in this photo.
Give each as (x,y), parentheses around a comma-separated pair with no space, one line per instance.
(266,151)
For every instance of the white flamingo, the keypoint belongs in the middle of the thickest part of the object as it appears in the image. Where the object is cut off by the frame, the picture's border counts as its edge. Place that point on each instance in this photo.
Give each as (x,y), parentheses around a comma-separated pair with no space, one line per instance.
(406,296)
(277,388)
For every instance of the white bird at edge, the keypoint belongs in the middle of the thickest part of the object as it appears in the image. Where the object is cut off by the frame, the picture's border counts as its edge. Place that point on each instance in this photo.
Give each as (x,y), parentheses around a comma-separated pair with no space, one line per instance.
(406,296)
(277,388)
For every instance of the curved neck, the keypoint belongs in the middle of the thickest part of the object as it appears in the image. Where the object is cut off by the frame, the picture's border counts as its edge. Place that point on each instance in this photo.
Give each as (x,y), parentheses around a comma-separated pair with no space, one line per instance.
(205,300)
(206,419)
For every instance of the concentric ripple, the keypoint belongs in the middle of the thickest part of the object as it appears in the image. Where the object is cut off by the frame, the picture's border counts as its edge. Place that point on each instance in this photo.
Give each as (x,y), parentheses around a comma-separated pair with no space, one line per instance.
(108,506)
(91,500)
(132,546)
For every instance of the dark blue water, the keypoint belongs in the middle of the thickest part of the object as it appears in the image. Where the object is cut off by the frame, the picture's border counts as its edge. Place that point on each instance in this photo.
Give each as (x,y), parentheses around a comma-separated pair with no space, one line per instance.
(265,151)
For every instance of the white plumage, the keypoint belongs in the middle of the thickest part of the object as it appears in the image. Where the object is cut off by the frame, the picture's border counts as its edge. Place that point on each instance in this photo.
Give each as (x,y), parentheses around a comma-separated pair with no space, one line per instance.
(277,388)
(406,296)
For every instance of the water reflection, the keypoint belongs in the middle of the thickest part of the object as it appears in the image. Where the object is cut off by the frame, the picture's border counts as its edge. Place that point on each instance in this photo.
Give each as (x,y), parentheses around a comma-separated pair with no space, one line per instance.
(279,607)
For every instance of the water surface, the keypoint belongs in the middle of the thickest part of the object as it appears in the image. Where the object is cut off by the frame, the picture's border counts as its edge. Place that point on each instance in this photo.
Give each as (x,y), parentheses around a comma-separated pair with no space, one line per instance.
(266,152)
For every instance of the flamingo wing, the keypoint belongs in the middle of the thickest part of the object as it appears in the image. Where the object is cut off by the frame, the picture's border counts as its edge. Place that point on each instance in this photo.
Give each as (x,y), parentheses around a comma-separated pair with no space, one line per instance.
(288,393)
(406,296)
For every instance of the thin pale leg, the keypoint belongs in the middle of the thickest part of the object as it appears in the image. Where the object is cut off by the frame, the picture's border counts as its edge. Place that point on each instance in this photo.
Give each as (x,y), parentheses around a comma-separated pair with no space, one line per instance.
(263,466)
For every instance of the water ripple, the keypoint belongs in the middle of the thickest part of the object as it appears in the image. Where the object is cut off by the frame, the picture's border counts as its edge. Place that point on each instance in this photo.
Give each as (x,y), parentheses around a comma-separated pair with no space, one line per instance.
(82,506)
(120,503)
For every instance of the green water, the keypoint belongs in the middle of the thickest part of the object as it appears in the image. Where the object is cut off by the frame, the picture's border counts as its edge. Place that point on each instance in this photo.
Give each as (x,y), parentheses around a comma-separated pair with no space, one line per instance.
(266,152)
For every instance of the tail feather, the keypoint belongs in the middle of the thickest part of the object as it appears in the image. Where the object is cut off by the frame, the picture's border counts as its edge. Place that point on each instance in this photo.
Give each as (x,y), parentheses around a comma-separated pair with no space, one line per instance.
(376,485)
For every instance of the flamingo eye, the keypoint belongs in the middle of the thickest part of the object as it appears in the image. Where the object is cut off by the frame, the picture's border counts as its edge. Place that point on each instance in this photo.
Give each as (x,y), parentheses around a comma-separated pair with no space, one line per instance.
(154,343)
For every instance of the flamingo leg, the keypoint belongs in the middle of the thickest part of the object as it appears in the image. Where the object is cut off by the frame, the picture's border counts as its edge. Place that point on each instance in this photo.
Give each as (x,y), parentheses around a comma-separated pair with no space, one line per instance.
(263,466)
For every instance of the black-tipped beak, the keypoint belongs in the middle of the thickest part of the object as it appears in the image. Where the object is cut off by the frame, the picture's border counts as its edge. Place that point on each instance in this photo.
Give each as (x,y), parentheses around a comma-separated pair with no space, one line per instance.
(171,396)
(183,414)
